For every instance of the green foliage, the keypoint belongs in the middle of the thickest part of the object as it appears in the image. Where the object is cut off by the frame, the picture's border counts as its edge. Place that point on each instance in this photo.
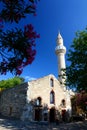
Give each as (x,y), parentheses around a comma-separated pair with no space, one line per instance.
(77,70)
(11,82)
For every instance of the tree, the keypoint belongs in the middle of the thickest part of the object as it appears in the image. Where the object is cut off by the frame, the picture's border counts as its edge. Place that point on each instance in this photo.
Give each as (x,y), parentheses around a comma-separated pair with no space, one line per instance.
(17,46)
(79,102)
(76,72)
(11,82)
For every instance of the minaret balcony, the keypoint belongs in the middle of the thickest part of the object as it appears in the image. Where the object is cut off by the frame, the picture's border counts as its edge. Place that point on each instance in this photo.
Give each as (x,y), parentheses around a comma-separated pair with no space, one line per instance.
(60,49)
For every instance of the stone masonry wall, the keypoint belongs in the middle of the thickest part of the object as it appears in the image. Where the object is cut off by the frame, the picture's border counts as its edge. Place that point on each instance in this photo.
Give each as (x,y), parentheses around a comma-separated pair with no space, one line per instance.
(13,100)
(41,88)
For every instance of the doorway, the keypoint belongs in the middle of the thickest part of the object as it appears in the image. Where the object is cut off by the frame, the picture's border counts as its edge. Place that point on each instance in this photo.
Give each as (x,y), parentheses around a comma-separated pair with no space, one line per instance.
(64,115)
(38,114)
(52,115)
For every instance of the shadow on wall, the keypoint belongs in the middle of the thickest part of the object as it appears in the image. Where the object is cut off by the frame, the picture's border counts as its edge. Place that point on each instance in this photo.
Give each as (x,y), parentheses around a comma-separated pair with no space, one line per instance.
(13,100)
(35,111)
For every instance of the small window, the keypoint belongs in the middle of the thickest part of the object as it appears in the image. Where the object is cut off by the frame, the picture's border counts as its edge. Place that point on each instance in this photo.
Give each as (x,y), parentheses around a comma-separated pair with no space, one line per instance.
(52,97)
(63,102)
(38,101)
(51,83)
(10,111)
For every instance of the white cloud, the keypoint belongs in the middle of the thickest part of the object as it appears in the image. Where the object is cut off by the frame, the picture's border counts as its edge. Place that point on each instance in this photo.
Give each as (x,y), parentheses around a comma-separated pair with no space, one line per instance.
(29,78)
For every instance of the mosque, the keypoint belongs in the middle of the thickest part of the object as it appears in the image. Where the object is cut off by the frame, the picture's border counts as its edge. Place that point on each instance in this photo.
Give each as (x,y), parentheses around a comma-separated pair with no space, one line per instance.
(43,99)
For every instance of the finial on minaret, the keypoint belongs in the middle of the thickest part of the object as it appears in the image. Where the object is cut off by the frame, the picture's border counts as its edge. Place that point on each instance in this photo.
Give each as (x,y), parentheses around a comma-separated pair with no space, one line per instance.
(59,39)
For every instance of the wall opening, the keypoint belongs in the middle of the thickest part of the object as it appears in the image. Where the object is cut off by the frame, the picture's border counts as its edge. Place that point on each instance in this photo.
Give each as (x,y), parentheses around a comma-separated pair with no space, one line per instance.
(10,111)
(38,114)
(52,115)
(52,97)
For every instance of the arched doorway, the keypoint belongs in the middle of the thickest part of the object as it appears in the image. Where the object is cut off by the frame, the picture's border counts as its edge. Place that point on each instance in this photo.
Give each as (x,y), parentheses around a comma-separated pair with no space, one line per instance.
(64,115)
(38,114)
(52,115)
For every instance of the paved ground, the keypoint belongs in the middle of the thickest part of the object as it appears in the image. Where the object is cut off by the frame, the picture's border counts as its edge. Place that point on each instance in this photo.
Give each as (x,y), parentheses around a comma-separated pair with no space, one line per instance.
(10,124)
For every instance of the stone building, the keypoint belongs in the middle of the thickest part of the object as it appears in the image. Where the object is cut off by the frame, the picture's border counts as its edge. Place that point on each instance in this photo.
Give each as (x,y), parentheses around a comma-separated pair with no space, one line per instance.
(44,99)
(39,100)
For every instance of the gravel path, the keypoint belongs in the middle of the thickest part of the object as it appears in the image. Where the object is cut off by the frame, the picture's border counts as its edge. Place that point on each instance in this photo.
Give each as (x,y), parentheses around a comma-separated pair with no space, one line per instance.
(10,124)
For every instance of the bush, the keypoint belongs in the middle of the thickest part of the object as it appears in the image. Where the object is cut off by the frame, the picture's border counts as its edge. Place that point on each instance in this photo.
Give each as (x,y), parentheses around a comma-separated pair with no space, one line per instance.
(77,118)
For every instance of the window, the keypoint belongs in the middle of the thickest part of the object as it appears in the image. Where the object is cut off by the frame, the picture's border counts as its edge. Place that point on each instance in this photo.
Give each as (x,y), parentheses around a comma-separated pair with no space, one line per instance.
(63,102)
(38,102)
(10,111)
(52,96)
(51,83)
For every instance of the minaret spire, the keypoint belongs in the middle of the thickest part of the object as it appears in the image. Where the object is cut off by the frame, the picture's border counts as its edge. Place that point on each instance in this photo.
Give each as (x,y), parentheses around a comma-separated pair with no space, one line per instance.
(59,39)
(60,52)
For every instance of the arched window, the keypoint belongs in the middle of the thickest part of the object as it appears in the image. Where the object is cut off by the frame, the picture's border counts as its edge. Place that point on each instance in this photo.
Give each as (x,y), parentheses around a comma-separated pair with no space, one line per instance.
(51,82)
(38,101)
(63,102)
(52,97)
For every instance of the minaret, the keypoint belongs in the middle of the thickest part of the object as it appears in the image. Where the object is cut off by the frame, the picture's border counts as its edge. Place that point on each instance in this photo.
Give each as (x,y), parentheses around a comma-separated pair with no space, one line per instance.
(60,52)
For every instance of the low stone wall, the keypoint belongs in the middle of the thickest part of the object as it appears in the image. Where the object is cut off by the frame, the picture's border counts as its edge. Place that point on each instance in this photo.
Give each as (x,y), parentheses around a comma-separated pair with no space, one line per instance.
(13,100)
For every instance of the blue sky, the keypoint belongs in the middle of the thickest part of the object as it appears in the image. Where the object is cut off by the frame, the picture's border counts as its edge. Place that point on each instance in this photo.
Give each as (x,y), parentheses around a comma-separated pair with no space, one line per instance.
(66,16)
